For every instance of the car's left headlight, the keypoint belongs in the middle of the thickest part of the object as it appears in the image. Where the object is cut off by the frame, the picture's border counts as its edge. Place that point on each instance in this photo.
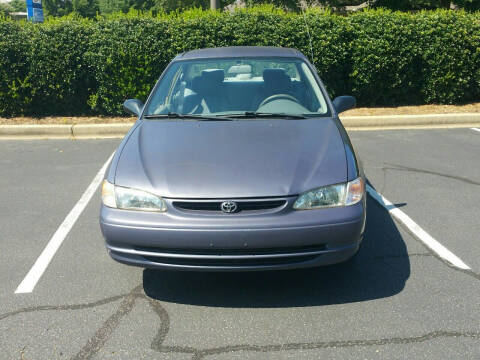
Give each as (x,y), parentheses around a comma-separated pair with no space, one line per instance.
(120,197)
(331,196)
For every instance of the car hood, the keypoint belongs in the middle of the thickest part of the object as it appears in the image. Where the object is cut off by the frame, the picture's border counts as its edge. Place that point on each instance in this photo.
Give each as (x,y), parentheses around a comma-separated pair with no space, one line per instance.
(232,159)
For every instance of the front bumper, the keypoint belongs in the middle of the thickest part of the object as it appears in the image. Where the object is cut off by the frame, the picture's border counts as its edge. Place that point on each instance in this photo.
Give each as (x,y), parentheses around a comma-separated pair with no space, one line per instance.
(233,242)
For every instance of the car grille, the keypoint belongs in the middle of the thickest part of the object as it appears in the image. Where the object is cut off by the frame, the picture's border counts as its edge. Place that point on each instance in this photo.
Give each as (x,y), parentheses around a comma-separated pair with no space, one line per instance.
(243,205)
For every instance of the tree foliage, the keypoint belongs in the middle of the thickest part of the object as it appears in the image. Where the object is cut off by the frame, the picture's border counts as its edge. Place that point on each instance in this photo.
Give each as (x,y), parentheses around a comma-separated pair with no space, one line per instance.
(73,66)
(57,7)
(112,6)
(471,5)
(90,8)
(413,4)
(5,9)
(13,6)
(85,8)
(18,5)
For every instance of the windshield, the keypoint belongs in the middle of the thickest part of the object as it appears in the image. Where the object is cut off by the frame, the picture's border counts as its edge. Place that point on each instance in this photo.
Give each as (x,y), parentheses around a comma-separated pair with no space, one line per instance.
(234,86)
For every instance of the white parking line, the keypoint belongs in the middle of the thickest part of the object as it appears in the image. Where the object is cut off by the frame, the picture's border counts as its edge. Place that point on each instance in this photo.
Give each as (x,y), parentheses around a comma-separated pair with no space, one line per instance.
(421,234)
(476,129)
(37,270)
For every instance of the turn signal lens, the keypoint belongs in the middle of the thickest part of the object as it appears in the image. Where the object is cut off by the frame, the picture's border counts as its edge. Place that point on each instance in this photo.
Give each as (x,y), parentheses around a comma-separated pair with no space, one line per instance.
(108,194)
(355,191)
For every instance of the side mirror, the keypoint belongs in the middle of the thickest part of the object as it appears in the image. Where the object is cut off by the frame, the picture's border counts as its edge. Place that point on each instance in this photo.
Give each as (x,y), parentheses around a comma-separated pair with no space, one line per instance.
(343,103)
(133,106)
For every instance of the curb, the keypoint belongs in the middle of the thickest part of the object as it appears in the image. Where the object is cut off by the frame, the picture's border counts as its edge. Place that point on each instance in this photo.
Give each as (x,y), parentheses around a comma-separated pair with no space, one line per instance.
(80,131)
(92,131)
(36,131)
(410,121)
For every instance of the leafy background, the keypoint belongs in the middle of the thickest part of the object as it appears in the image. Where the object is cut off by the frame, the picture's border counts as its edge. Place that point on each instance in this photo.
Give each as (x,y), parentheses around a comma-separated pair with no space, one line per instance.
(76,66)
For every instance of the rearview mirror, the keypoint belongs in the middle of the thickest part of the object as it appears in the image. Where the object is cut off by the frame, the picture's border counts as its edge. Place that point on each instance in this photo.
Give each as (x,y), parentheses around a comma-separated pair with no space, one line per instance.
(343,103)
(133,106)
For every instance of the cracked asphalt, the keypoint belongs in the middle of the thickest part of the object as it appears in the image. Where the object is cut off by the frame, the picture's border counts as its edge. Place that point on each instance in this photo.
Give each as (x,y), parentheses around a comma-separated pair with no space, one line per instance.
(396,300)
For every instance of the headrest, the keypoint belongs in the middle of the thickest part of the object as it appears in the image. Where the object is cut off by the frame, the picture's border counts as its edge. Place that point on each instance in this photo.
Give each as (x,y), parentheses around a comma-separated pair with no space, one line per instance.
(197,84)
(214,75)
(208,82)
(271,75)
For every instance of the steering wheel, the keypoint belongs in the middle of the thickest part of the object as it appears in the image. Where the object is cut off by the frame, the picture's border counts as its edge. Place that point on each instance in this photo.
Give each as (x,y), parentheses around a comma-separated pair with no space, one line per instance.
(278,97)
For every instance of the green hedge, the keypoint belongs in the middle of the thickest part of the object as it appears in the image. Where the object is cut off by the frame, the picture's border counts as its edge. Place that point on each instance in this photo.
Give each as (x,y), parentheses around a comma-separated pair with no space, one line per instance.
(72,66)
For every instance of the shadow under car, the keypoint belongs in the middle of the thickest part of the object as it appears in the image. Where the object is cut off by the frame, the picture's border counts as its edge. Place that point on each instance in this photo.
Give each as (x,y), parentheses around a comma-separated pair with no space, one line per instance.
(380,269)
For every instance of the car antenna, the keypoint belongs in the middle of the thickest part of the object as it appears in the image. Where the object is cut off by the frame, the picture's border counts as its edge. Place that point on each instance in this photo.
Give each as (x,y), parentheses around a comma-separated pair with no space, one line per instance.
(308,30)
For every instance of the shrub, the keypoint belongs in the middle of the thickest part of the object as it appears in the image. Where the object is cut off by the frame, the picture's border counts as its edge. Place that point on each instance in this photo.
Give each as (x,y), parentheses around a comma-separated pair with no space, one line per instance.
(60,78)
(76,66)
(14,67)
(386,59)
(126,56)
(450,48)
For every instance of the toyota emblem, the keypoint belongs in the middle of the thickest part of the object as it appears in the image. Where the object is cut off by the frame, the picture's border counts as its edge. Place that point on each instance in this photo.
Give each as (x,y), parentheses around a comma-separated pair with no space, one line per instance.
(229,206)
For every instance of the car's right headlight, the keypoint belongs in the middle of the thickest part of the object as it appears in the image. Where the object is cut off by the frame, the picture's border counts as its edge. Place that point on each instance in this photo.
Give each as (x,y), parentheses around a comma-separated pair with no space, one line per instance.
(120,197)
(331,196)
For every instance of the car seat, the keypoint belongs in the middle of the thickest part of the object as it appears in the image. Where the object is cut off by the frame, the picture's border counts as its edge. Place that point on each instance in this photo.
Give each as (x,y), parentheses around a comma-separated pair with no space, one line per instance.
(275,81)
(211,90)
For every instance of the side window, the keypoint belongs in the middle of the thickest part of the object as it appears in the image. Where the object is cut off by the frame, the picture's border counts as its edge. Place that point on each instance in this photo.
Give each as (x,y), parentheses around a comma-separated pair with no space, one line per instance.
(160,102)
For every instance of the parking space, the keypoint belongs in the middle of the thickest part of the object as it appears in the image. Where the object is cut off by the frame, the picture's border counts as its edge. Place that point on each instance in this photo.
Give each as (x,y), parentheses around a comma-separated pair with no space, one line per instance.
(397,299)
(434,177)
(41,181)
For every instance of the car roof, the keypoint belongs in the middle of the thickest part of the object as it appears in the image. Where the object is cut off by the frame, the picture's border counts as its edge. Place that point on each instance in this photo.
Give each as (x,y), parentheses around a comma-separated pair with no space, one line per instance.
(240,51)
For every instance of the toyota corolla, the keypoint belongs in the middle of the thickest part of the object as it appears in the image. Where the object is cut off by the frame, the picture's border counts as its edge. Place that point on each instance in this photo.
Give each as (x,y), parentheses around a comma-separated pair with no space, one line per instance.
(238,161)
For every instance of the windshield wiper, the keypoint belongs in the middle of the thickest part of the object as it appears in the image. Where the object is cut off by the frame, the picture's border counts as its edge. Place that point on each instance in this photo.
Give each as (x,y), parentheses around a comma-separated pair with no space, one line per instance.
(173,115)
(256,114)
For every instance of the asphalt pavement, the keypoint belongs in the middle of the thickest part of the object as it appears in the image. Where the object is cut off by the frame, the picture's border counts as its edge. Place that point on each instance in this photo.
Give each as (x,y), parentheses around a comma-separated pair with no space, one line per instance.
(398,299)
